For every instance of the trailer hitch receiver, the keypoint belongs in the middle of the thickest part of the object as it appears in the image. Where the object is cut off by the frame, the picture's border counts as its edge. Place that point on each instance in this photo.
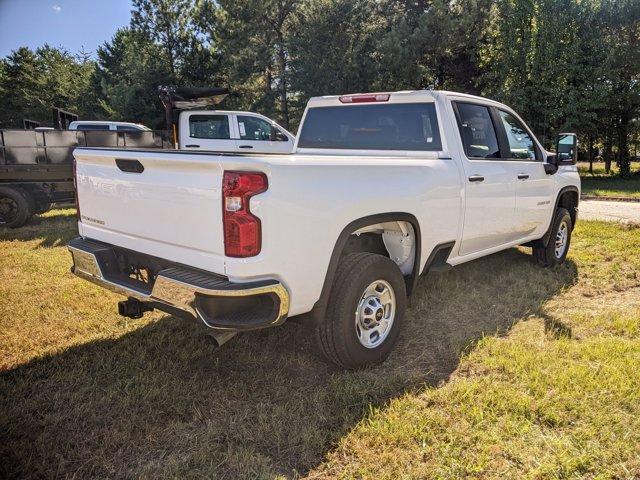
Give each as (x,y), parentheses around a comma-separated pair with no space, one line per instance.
(133,308)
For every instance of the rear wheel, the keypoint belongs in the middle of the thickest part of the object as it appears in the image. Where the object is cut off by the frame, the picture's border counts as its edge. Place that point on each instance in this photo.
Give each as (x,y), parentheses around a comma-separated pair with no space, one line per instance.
(15,207)
(557,248)
(365,311)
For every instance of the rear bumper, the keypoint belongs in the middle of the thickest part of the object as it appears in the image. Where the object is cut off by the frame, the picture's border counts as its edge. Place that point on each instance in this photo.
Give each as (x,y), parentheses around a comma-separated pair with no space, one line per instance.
(212,298)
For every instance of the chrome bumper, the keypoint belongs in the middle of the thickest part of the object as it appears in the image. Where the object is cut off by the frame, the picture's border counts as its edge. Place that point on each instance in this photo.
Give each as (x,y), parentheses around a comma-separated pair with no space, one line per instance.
(181,288)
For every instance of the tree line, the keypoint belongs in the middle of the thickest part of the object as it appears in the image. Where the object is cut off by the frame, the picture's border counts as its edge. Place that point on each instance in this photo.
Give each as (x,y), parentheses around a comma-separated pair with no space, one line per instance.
(564,65)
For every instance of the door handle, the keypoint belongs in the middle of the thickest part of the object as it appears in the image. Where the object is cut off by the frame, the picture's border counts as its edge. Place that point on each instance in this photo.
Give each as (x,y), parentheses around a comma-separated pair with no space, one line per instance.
(522,176)
(129,166)
(476,178)
(192,145)
(245,146)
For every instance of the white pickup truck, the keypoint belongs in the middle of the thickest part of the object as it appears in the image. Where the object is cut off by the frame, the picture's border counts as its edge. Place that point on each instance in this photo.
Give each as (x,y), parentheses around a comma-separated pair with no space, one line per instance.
(231,131)
(380,189)
(214,130)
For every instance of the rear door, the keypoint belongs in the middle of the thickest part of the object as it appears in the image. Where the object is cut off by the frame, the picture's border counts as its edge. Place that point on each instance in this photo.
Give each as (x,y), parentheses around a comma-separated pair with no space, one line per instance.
(210,131)
(534,188)
(490,197)
(255,136)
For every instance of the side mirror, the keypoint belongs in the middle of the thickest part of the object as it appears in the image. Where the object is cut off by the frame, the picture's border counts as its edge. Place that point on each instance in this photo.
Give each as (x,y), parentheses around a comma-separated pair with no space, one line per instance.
(277,135)
(567,149)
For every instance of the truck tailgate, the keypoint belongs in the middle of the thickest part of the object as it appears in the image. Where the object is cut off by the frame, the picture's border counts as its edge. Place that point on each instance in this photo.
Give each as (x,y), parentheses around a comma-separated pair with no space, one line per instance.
(160,203)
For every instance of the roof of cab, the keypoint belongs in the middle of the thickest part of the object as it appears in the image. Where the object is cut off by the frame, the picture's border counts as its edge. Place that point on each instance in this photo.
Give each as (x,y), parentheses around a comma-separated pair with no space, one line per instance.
(107,122)
(399,96)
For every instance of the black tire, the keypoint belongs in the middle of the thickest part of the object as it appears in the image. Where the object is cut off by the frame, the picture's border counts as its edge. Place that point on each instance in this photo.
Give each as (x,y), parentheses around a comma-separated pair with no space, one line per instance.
(15,207)
(548,256)
(337,333)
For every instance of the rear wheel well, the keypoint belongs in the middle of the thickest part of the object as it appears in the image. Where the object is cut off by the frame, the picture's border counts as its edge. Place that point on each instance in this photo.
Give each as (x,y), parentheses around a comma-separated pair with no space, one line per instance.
(381,234)
(394,239)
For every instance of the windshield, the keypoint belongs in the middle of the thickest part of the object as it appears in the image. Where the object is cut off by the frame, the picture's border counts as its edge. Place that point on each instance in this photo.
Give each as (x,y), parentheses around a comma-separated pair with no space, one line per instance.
(399,126)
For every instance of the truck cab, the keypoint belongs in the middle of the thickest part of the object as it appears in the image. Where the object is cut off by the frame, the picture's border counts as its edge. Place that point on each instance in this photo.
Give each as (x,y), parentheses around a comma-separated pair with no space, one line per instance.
(232,131)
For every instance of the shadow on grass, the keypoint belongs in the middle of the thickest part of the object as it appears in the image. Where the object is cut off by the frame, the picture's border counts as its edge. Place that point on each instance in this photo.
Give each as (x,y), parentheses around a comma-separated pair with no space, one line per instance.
(55,228)
(164,402)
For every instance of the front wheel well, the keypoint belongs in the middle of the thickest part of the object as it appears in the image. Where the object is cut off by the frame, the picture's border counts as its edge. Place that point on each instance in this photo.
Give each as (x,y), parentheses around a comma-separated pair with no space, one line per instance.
(569,200)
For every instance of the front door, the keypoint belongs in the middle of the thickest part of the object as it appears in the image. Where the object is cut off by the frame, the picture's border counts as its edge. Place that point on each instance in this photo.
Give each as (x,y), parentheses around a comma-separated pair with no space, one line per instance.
(490,181)
(255,135)
(534,188)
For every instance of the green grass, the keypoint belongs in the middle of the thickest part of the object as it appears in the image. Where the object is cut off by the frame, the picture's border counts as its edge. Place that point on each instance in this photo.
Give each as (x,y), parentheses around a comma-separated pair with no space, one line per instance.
(504,370)
(601,184)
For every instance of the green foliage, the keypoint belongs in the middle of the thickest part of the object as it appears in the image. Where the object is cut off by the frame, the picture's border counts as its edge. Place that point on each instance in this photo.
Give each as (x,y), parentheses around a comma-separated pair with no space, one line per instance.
(131,68)
(32,83)
(564,65)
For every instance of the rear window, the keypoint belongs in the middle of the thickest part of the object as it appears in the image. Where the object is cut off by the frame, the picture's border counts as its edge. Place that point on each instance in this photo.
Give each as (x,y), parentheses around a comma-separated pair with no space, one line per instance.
(400,126)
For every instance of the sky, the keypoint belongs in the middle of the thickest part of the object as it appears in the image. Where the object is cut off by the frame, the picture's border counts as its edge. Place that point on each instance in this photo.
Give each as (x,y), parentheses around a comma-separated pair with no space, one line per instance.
(72,24)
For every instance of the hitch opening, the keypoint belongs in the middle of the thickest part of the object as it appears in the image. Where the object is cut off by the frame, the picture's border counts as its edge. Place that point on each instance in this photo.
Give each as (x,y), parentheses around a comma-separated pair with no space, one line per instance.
(133,308)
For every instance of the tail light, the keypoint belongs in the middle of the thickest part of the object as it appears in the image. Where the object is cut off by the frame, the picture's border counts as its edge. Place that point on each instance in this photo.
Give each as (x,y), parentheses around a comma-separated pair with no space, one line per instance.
(75,189)
(242,230)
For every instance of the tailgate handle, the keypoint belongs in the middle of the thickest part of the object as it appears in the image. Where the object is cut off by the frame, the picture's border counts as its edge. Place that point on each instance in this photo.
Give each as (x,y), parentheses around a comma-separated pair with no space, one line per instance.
(131,166)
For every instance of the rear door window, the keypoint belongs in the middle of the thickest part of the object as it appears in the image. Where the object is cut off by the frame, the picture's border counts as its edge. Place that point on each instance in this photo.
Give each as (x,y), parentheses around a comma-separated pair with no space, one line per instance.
(477,131)
(396,126)
(209,126)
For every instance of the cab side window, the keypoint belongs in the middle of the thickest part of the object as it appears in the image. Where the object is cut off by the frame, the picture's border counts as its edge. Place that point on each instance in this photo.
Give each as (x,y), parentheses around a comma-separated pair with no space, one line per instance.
(215,127)
(521,145)
(477,131)
(253,128)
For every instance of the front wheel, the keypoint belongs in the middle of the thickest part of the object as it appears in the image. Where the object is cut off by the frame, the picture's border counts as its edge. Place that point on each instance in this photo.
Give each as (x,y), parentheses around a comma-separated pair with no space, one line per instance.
(365,311)
(557,248)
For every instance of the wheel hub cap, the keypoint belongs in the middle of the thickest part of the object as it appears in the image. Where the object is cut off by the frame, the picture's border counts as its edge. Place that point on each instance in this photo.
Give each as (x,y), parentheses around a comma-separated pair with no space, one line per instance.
(561,239)
(375,313)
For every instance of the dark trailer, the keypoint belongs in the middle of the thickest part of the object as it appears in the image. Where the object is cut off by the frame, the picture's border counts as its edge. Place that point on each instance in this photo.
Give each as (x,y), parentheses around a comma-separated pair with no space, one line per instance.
(36,167)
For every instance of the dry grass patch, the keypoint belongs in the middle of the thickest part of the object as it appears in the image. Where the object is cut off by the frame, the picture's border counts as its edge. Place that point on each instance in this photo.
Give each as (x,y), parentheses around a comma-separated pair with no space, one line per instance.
(87,394)
(559,397)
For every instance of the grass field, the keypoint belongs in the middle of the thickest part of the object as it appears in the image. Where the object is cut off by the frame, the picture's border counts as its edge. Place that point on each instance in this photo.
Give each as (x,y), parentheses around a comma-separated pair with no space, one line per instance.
(504,370)
(600,184)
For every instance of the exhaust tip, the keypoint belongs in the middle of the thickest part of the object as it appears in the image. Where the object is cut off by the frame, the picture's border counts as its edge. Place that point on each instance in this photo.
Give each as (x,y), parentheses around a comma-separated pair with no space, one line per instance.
(222,337)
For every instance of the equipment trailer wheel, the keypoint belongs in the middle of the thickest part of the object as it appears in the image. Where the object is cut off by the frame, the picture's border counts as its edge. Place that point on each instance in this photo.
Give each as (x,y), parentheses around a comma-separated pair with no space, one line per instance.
(556,250)
(15,207)
(365,311)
